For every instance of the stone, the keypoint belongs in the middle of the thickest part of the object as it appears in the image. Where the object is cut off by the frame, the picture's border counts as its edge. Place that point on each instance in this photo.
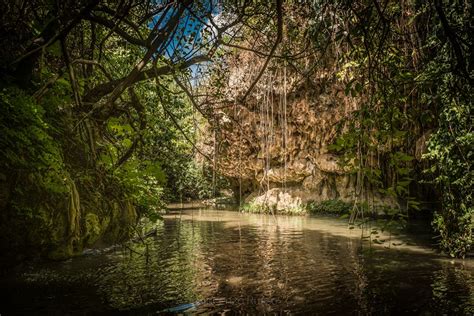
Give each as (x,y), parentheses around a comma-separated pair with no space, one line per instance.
(296,171)
(279,199)
(314,181)
(329,163)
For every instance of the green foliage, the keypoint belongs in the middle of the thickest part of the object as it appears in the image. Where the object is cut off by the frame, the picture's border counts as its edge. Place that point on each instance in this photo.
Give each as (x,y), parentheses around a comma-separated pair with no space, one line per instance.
(74,168)
(260,208)
(194,182)
(137,150)
(451,146)
(25,141)
(172,145)
(251,208)
(406,91)
(376,140)
(336,207)
(451,152)
(143,181)
(28,150)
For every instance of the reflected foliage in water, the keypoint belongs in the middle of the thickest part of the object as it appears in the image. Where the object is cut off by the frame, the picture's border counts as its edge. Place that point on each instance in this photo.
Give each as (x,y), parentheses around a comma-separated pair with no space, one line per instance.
(221,260)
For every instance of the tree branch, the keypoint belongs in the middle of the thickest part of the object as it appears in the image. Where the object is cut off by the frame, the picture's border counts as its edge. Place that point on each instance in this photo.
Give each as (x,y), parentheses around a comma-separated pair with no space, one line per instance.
(159,41)
(112,26)
(104,89)
(460,60)
(175,122)
(272,51)
(41,42)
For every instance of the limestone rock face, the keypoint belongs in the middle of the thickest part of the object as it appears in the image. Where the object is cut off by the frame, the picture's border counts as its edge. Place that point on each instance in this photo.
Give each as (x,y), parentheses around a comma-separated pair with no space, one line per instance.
(328,163)
(279,137)
(295,172)
(279,199)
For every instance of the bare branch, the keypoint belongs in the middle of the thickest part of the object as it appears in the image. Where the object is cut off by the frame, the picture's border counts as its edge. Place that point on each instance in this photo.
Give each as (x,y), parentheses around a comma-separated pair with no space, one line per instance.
(189,94)
(95,63)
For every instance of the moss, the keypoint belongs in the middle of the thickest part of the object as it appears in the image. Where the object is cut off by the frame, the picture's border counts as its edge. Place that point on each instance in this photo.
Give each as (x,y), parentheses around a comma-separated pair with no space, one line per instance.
(92,229)
(118,225)
(52,202)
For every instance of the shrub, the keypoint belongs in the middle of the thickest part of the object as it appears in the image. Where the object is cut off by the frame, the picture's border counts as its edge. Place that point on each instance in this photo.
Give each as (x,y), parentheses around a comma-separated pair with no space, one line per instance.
(336,207)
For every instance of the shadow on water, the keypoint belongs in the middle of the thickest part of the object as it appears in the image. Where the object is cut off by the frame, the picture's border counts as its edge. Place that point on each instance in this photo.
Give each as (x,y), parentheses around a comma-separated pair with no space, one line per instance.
(215,261)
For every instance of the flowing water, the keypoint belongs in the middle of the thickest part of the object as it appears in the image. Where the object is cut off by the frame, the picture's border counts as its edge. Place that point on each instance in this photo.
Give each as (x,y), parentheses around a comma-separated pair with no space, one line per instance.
(215,261)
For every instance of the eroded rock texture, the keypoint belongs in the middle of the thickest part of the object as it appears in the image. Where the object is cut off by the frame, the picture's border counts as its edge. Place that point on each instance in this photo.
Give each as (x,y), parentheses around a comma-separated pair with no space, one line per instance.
(276,142)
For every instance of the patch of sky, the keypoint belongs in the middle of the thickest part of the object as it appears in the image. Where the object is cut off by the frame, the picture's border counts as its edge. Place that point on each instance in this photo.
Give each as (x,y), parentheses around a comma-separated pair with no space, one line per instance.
(194,34)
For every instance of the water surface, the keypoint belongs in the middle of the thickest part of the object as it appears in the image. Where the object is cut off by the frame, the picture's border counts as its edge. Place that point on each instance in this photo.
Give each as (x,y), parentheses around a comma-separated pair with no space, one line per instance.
(219,261)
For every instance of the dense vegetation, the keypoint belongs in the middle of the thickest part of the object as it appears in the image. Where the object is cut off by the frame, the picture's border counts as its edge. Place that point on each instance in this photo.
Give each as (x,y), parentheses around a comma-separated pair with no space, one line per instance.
(411,62)
(87,147)
(99,120)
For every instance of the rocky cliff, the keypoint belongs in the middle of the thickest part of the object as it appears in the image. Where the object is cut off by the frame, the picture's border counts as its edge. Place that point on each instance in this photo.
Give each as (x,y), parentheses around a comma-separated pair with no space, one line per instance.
(275,145)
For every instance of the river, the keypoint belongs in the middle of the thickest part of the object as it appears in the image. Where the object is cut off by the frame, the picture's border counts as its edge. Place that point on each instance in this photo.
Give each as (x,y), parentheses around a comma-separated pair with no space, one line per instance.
(215,261)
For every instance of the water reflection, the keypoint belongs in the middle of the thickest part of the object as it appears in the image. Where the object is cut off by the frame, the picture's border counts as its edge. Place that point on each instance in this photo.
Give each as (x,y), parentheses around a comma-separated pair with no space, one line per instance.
(228,261)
